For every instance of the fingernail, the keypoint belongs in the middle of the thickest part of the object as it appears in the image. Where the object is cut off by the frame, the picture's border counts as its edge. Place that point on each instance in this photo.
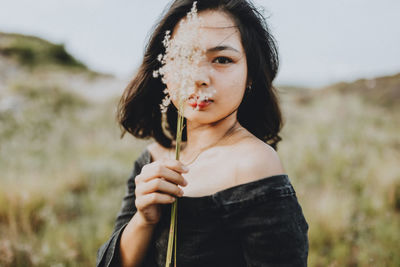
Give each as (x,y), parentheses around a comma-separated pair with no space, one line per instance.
(185,181)
(186,169)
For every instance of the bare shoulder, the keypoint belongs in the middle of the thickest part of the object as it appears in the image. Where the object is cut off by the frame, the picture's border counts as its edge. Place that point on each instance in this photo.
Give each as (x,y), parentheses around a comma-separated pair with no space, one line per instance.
(157,151)
(257,160)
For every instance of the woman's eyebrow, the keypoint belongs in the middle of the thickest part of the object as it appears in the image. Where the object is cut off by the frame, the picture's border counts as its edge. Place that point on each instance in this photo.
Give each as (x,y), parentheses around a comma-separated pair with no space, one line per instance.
(221,48)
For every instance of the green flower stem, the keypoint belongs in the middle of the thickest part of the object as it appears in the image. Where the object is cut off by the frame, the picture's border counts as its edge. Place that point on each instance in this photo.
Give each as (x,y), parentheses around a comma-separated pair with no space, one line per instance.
(174,209)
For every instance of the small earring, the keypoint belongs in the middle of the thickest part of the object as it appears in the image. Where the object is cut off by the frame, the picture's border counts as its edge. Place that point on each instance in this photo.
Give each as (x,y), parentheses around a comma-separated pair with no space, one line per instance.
(248,88)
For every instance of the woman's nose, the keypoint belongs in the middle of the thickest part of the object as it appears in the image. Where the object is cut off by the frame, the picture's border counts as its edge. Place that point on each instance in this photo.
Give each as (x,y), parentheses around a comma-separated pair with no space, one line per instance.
(202,78)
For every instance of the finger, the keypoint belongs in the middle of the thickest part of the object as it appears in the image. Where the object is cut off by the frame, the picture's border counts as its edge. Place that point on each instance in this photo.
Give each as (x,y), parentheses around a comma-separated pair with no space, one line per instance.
(159,184)
(175,165)
(153,198)
(169,163)
(160,170)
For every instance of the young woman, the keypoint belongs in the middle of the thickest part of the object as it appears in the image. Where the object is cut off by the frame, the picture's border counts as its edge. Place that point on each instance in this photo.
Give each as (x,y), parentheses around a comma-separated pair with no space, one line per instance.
(236,205)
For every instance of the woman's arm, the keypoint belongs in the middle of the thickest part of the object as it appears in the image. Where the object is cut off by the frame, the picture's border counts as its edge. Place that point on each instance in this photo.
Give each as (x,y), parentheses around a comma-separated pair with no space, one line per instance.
(134,242)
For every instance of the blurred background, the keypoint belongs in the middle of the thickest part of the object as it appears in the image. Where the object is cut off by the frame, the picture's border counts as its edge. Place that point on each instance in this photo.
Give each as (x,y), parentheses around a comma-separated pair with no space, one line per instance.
(63,167)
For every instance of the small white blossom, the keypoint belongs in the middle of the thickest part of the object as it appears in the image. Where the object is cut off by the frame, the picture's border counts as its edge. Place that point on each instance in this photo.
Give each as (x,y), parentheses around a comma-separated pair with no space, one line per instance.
(165,102)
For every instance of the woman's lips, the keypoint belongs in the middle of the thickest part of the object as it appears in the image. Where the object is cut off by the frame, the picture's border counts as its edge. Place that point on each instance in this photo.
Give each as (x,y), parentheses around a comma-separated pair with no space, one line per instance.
(197,103)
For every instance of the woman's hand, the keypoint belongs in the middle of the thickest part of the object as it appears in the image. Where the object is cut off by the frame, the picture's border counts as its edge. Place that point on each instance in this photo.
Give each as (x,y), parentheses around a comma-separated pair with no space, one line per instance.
(158,184)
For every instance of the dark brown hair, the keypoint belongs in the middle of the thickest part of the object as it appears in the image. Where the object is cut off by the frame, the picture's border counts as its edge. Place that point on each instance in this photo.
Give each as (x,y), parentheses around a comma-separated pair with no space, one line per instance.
(259,112)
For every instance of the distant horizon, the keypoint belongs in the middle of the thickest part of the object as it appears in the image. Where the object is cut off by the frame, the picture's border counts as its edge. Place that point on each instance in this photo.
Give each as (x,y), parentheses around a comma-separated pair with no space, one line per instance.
(319,43)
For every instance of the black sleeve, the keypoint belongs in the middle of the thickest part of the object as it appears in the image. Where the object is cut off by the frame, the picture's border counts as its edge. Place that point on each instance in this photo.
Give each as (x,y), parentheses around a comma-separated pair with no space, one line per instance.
(108,253)
(274,233)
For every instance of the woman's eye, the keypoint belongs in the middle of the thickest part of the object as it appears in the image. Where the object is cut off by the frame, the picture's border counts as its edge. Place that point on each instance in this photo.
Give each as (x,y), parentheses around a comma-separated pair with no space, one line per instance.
(222,60)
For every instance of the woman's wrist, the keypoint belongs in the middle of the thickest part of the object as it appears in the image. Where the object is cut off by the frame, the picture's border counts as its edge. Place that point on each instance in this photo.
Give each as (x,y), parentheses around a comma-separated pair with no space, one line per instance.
(142,223)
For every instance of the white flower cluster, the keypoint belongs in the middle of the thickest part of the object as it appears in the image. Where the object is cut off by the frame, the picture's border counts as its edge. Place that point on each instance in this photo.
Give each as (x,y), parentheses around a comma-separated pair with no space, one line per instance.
(181,61)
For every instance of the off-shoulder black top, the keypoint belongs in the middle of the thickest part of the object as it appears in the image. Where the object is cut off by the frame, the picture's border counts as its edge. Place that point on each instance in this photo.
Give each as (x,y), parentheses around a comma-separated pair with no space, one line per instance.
(259,223)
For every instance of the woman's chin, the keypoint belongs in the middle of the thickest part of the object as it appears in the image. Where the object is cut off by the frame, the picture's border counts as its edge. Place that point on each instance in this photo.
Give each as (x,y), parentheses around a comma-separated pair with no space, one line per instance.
(199,116)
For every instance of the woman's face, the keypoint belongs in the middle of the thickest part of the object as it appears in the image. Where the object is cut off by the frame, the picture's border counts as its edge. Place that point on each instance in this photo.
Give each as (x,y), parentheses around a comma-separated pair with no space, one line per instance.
(223,70)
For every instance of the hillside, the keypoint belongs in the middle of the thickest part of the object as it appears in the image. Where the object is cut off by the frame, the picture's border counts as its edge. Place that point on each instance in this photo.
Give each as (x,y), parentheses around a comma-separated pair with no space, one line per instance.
(33,52)
(380,91)
(29,60)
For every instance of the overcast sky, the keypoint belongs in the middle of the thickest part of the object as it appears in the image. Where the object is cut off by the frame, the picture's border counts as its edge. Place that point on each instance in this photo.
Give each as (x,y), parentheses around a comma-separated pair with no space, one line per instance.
(320,42)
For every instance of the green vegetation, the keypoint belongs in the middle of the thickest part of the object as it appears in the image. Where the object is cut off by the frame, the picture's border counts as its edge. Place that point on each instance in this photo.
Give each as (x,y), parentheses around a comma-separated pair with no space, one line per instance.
(64,168)
(33,52)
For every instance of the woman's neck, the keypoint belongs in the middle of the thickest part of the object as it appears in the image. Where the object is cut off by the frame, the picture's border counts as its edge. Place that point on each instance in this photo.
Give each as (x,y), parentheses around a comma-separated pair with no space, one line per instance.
(202,136)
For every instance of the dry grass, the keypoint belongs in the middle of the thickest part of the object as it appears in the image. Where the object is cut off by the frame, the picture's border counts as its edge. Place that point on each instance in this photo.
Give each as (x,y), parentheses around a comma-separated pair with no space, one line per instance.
(342,153)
